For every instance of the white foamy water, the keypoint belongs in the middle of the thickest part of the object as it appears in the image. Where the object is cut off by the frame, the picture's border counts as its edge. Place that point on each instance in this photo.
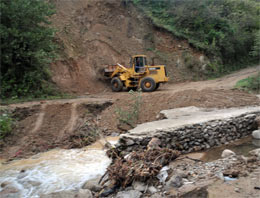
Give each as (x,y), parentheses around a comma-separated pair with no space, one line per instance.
(54,171)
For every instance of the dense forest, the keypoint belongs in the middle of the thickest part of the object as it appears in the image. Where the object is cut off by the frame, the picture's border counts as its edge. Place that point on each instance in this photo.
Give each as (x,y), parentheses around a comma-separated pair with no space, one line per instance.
(226,30)
(27,48)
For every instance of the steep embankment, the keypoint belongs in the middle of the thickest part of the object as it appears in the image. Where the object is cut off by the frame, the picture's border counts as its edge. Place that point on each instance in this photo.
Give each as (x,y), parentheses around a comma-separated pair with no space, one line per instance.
(97,33)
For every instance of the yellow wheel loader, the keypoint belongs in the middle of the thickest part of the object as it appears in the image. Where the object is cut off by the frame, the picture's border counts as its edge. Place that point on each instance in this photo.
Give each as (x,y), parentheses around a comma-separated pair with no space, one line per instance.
(139,74)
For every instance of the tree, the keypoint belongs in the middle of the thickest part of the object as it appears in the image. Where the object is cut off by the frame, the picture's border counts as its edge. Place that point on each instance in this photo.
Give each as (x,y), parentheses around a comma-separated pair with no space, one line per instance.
(27,47)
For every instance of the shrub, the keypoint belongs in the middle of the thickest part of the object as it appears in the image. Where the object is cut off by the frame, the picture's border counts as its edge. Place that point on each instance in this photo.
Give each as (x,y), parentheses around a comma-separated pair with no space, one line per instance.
(6,124)
(130,115)
(250,84)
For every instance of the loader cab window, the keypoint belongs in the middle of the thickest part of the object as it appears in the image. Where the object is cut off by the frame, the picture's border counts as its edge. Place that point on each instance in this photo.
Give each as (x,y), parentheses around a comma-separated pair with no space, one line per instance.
(139,63)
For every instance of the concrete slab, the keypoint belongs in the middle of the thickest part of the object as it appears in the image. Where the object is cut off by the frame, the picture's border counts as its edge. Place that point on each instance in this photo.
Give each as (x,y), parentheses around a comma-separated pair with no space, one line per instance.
(180,117)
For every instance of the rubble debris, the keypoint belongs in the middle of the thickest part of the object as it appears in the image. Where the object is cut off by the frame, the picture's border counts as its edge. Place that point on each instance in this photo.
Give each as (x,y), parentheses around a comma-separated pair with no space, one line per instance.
(141,166)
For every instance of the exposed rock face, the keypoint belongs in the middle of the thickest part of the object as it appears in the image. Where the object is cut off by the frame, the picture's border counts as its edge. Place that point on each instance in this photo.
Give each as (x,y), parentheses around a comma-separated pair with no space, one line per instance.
(192,129)
(256,134)
(227,153)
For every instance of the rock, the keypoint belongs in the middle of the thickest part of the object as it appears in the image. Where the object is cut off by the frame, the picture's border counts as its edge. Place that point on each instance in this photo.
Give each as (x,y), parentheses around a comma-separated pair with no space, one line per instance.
(129,194)
(92,185)
(4,184)
(227,153)
(237,190)
(175,181)
(152,190)
(256,134)
(84,193)
(231,173)
(114,134)
(61,194)
(195,192)
(139,186)
(129,142)
(154,143)
(156,195)
(256,153)
(124,127)
(257,120)
(256,142)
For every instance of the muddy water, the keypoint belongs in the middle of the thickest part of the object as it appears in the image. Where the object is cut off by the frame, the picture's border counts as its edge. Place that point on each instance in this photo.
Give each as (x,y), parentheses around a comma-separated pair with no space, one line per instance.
(240,147)
(55,170)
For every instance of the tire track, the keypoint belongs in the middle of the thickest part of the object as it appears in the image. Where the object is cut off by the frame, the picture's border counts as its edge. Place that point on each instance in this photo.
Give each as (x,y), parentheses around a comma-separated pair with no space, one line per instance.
(39,120)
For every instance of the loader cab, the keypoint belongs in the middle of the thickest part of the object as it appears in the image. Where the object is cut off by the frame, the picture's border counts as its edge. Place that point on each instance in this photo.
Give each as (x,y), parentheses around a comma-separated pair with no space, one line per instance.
(139,63)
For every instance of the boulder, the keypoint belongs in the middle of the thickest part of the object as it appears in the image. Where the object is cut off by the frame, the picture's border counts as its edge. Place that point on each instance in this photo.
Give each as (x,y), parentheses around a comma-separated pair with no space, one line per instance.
(256,134)
(84,193)
(256,153)
(93,185)
(152,190)
(61,194)
(175,181)
(129,194)
(227,153)
(139,186)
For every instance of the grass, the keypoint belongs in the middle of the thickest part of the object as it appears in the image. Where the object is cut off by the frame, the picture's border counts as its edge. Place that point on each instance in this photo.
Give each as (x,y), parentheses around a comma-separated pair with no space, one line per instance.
(250,84)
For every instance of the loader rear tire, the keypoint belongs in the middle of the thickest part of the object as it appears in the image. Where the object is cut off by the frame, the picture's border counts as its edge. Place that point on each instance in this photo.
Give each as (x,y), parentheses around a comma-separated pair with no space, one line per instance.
(148,84)
(116,84)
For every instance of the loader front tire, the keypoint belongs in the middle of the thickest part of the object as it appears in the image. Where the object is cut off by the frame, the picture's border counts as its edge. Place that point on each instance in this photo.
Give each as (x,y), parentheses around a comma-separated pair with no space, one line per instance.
(148,84)
(157,86)
(116,84)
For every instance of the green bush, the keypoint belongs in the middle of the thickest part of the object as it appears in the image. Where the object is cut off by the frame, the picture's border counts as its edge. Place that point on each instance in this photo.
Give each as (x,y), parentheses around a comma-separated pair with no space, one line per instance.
(27,48)
(250,84)
(6,125)
(130,115)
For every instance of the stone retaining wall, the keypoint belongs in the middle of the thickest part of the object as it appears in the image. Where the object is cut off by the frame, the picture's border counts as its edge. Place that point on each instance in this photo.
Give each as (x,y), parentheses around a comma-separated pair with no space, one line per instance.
(196,137)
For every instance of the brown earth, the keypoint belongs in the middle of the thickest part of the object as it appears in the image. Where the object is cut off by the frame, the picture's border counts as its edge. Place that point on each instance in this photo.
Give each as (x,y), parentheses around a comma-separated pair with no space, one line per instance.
(95,33)
(70,123)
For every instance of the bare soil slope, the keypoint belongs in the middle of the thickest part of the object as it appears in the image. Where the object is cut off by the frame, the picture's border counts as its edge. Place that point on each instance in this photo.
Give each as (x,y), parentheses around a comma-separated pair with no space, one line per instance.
(96,33)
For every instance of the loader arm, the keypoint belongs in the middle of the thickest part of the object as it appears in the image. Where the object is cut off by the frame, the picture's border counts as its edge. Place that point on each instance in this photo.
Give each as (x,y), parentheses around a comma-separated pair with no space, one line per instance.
(119,69)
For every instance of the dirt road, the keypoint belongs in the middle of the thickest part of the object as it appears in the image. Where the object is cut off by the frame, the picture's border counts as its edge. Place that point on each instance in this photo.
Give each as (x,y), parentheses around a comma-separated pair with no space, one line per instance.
(44,125)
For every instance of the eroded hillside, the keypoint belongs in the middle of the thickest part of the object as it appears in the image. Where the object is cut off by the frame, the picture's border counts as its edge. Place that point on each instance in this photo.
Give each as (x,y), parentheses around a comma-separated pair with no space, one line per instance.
(97,33)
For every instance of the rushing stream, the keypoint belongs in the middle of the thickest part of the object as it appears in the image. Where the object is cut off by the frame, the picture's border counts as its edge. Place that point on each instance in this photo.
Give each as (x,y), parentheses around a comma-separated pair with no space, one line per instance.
(60,169)
(55,170)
